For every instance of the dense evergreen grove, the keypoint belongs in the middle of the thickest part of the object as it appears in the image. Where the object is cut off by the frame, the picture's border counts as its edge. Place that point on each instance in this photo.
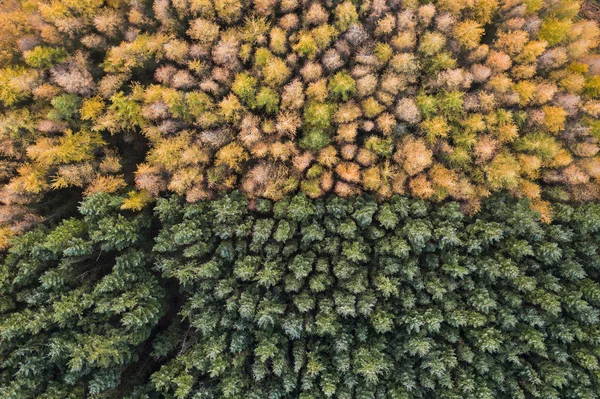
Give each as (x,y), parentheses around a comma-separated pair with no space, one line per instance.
(77,303)
(301,298)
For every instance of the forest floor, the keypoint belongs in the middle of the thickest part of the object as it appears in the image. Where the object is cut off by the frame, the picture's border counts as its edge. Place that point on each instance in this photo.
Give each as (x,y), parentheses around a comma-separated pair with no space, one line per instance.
(591,9)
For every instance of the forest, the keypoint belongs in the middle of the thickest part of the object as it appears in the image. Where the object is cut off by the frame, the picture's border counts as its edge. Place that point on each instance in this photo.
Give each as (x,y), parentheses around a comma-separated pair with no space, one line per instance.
(354,199)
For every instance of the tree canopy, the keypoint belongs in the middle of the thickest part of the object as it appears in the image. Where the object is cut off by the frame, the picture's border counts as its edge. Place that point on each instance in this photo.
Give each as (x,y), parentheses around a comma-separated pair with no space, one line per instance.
(435,100)
(279,199)
(301,298)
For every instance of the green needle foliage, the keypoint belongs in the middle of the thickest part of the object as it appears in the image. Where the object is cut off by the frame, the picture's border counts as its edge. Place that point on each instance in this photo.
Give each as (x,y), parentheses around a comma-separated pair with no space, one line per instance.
(348,298)
(77,304)
(301,298)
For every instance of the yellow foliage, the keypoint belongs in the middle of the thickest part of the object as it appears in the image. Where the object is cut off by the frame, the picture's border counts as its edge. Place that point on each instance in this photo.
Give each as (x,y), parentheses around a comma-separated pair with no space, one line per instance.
(232,155)
(474,123)
(371,178)
(11,93)
(276,72)
(110,164)
(328,156)
(512,42)
(105,184)
(281,151)
(530,165)
(6,234)
(311,187)
(184,179)
(503,172)
(411,99)
(230,108)
(421,187)
(137,200)
(348,171)
(15,23)
(414,156)
(554,118)
(526,91)
(544,208)
(278,40)
(531,51)
(529,189)
(572,82)
(443,177)
(168,152)
(30,179)
(91,108)
(317,91)
(468,34)
(435,128)
(70,147)
(507,132)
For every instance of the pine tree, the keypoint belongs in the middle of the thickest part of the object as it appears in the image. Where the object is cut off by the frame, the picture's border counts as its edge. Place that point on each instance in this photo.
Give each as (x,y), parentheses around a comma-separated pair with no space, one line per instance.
(313,297)
(79,301)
